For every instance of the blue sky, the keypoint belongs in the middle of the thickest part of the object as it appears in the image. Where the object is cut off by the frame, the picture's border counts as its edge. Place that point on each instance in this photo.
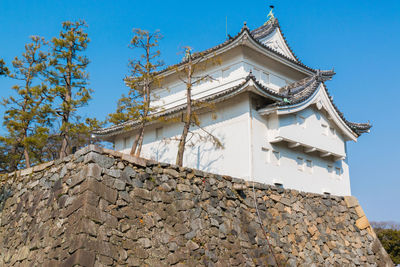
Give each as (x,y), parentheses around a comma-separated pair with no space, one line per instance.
(359,38)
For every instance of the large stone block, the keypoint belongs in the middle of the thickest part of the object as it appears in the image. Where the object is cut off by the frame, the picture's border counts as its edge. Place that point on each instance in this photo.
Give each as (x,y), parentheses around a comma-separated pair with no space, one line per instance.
(102,190)
(80,257)
(351,201)
(362,223)
(103,160)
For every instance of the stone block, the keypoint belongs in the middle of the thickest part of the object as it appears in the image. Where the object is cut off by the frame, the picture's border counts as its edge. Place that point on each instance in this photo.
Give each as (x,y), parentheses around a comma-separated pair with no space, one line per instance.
(183,188)
(81,257)
(75,205)
(134,160)
(359,211)
(102,190)
(43,166)
(362,223)
(140,192)
(102,160)
(351,201)
(113,153)
(119,185)
(171,172)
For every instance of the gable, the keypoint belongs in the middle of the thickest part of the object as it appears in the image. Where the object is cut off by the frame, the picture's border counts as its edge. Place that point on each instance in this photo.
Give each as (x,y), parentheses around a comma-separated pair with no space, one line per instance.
(276,41)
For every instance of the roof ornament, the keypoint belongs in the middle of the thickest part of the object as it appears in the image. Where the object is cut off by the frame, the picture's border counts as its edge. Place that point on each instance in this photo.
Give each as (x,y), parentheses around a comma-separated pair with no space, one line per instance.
(270,16)
(244,25)
(188,53)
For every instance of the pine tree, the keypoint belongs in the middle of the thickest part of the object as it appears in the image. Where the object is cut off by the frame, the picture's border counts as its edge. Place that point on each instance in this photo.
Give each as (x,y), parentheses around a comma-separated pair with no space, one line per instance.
(143,75)
(27,112)
(69,78)
(190,77)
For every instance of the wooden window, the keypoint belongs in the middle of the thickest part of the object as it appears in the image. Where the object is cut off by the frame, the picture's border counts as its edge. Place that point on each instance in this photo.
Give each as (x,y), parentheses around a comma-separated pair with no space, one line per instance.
(309,165)
(330,170)
(338,172)
(300,163)
(126,142)
(159,133)
(267,154)
(324,129)
(332,131)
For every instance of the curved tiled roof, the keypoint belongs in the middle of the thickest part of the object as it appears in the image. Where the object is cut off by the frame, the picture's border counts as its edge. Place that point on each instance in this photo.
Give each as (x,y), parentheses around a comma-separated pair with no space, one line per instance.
(267,29)
(300,91)
(215,98)
(253,35)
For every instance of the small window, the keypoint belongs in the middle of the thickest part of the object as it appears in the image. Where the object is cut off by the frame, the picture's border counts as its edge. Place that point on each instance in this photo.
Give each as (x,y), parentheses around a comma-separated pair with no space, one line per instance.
(267,154)
(159,133)
(327,193)
(309,165)
(276,157)
(324,129)
(126,142)
(330,169)
(300,163)
(338,171)
(332,131)
(279,185)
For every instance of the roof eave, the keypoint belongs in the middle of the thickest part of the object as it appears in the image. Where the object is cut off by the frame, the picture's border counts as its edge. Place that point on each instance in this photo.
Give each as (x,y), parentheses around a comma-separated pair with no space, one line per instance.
(249,82)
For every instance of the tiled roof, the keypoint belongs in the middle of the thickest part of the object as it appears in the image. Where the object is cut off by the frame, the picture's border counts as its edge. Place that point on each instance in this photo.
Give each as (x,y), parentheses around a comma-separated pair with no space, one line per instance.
(300,91)
(255,36)
(267,29)
(213,98)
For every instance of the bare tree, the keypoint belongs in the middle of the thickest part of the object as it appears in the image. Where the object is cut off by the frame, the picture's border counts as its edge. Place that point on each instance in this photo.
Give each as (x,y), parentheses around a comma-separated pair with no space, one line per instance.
(189,75)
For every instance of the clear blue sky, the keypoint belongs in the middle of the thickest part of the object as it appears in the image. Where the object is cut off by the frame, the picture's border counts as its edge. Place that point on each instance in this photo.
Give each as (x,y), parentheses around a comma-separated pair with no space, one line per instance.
(359,38)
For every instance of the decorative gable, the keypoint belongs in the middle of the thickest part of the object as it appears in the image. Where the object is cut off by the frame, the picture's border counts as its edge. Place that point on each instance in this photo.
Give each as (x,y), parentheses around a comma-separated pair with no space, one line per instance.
(276,41)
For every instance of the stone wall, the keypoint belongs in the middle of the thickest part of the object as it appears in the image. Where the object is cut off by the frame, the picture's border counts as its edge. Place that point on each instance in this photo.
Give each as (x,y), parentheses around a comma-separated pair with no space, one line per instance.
(99,207)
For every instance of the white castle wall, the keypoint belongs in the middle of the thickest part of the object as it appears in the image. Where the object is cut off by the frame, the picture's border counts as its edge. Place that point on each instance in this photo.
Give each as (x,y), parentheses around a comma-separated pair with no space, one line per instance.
(231,128)
(246,135)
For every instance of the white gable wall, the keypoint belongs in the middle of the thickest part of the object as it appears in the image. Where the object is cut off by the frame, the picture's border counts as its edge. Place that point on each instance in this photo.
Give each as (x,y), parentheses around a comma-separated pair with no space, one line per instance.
(275,41)
(292,170)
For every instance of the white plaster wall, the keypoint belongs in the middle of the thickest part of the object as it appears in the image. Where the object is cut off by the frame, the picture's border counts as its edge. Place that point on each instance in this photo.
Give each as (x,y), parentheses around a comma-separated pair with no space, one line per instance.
(230,126)
(229,73)
(311,127)
(316,179)
(247,151)
(246,134)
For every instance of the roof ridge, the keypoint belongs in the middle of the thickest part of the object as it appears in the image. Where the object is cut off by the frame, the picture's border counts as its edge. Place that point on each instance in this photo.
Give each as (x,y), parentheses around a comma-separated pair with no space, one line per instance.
(232,39)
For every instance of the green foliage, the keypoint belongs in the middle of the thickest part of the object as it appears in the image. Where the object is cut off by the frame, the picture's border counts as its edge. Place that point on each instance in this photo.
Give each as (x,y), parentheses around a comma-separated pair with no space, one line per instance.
(3,69)
(50,89)
(69,78)
(128,108)
(28,111)
(142,77)
(389,235)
